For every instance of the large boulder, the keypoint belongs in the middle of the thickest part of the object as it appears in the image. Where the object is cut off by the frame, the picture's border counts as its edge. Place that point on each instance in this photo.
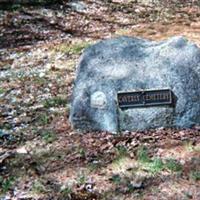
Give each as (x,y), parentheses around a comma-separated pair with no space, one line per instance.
(127,64)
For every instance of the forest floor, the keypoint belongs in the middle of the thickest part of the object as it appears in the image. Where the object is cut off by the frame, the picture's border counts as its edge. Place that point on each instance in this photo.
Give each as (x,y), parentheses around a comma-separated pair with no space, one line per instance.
(41,156)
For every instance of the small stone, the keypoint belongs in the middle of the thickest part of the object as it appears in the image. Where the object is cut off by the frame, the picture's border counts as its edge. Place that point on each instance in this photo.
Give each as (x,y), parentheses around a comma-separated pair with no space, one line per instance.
(98,100)
(197,128)
(137,184)
(134,143)
(22,150)
(78,6)
(41,74)
(182,162)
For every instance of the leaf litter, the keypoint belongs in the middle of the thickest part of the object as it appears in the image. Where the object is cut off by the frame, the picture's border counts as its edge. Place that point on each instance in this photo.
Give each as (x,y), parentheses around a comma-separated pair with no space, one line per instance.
(41,156)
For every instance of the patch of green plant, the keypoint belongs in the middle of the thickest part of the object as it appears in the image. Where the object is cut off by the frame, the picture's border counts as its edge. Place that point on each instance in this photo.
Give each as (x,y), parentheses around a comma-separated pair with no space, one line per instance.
(142,154)
(189,146)
(154,166)
(39,80)
(43,119)
(38,187)
(81,179)
(82,152)
(75,48)
(6,183)
(116,179)
(173,165)
(197,149)
(45,156)
(195,175)
(121,151)
(66,192)
(15,7)
(6,126)
(48,136)
(2,91)
(42,1)
(93,166)
(55,102)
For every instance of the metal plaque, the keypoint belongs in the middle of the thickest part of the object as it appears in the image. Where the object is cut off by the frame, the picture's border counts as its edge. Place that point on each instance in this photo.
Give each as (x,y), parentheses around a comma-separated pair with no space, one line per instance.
(145,98)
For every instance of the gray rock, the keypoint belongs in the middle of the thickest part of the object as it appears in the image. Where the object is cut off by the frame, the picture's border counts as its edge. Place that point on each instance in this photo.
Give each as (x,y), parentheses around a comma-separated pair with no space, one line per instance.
(78,6)
(149,2)
(124,64)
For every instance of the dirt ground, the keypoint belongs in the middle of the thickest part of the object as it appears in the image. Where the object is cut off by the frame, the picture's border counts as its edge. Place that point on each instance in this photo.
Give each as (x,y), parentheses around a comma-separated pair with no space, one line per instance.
(41,156)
